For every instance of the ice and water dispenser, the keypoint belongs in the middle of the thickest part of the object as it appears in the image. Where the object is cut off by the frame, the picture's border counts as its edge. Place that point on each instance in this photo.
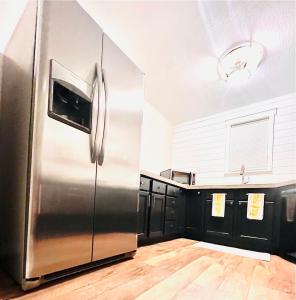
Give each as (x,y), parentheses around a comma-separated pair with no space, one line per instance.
(69,102)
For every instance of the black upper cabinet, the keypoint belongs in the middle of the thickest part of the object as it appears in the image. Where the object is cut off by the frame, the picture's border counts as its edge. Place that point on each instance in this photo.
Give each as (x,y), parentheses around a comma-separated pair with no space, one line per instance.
(143,214)
(156,225)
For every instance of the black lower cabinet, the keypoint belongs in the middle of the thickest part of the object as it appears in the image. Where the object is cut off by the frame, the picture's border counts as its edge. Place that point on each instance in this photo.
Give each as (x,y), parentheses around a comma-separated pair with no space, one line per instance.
(287,237)
(143,215)
(175,212)
(150,216)
(219,227)
(170,227)
(255,234)
(174,215)
(235,229)
(161,211)
(181,214)
(167,211)
(156,224)
(194,225)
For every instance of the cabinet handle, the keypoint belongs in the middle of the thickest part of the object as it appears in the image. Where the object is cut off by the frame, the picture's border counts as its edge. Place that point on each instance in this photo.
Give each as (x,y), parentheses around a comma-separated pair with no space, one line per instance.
(142,182)
(149,201)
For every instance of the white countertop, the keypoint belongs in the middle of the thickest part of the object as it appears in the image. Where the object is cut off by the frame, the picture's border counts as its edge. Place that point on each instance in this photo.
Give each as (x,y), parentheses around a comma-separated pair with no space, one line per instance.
(218,186)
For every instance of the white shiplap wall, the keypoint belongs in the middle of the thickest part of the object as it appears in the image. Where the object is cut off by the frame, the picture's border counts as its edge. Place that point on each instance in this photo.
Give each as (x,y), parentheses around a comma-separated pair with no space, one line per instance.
(199,145)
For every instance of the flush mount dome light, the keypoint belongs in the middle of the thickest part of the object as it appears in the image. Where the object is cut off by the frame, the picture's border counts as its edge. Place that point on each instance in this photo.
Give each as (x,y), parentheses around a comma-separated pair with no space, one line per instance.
(238,63)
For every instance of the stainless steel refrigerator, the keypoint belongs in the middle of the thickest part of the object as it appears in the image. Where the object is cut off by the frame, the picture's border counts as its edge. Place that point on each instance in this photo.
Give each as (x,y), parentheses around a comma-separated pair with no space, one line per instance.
(71,115)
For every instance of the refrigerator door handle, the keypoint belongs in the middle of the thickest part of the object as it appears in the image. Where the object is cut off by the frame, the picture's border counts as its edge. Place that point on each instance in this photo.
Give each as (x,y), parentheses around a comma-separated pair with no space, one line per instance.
(96,111)
(101,155)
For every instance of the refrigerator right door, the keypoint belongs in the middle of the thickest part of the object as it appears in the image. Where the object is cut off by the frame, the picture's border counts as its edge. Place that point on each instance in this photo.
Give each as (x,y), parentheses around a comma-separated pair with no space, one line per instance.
(117,182)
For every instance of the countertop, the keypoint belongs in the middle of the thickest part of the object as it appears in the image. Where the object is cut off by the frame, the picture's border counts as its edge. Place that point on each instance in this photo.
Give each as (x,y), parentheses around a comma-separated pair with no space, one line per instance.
(218,186)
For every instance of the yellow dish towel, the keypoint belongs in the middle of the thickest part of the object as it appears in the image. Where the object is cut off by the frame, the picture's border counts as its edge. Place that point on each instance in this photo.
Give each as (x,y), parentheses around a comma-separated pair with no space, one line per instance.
(218,205)
(255,206)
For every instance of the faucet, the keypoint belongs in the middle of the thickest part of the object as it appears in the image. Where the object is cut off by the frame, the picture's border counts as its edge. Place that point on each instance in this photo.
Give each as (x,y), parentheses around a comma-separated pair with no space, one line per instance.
(243,174)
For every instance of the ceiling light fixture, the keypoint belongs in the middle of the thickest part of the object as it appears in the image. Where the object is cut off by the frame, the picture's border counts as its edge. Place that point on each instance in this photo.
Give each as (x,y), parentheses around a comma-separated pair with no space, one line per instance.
(240,62)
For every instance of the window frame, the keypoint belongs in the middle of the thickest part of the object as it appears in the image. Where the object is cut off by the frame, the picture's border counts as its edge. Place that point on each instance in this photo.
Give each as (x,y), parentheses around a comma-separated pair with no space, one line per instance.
(270,115)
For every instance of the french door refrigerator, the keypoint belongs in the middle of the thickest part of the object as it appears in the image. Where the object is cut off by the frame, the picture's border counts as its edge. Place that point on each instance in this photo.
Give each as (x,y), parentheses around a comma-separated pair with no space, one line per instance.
(71,114)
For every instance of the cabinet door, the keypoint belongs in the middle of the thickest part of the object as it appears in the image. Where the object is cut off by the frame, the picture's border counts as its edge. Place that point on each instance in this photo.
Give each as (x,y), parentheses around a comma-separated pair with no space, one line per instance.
(254,234)
(144,202)
(171,212)
(157,215)
(219,226)
(170,227)
(175,211)
(171,208)
(181,214)
(194,215)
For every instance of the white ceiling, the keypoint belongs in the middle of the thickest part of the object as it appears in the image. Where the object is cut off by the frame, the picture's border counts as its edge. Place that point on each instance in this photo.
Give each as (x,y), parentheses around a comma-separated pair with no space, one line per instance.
(176,44)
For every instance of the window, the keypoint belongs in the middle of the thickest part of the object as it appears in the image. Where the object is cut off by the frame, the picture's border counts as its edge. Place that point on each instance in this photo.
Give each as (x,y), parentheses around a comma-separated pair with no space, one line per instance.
(250,143)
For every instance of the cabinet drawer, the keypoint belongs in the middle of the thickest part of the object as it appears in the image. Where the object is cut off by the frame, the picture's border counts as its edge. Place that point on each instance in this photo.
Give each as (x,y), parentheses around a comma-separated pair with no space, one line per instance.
(158,187)
(170,213)
(173,191)
(145,183)
(170,227)
(171,202)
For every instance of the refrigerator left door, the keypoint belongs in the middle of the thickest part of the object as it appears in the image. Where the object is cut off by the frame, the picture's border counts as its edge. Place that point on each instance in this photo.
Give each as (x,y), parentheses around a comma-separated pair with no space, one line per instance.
(61,204)
(16,94)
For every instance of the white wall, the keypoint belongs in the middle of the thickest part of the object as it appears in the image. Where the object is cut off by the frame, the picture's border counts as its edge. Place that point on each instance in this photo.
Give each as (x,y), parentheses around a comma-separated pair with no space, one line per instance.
(200,145)
(157,134)
(10,13)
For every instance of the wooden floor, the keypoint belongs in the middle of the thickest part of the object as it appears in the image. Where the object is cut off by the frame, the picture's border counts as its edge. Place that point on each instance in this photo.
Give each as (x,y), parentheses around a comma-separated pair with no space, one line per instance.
(172,270)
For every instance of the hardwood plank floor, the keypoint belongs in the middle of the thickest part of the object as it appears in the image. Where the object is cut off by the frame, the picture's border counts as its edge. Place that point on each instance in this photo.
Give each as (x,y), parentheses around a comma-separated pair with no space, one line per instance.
(171,270)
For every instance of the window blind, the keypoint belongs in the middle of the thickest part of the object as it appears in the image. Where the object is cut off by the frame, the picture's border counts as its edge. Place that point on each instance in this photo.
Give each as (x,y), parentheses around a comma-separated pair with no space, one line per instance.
(248,145)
